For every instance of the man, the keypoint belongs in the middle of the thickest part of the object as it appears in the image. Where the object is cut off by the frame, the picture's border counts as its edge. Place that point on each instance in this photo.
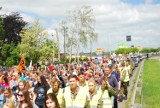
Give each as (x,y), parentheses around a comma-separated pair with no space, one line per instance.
(55,88)
(125,81)
(97,80)
(82,81)
(75,96)
(112,82)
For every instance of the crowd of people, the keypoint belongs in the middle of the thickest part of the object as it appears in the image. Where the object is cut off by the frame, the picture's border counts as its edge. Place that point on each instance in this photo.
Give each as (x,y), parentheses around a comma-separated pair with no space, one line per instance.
(90,84)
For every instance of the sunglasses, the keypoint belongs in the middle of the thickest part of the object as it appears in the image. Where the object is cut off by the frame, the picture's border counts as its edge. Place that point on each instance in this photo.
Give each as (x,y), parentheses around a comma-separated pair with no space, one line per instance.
(20,95)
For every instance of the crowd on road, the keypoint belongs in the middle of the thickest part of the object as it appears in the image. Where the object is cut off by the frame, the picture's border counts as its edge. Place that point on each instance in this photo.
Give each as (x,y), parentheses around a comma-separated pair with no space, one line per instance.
(91,84)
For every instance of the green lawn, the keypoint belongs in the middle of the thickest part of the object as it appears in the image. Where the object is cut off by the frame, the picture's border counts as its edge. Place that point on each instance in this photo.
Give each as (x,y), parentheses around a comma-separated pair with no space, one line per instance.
(151,84)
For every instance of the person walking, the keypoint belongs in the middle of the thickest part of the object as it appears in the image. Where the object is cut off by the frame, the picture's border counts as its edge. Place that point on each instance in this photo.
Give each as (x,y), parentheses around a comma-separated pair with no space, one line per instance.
(57,91)
(75,96)
(112,82)
(51,101)
(40,91)
(104,93)
(94,96)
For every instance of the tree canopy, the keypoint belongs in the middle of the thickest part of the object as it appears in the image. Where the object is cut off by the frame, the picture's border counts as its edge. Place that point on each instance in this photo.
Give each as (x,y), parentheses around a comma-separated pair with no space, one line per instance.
(126,50)
(12,26)
(36,44)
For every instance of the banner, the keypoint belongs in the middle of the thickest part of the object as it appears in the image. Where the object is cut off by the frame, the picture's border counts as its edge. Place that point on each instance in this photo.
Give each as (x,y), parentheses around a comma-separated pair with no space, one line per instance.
(100,52)
(30,65)
(21,65)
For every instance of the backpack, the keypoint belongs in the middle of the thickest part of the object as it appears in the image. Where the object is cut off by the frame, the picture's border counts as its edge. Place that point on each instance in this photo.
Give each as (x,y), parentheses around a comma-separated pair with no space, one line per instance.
(40,96)
(112,91)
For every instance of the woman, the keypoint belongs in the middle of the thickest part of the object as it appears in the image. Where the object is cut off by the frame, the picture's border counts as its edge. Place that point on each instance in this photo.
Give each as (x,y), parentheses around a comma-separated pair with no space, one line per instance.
(94,96)
(22,85)
(6,82)
(40,91)
(24,100)
(9,105)
(104,93)
(14,82)
(9,95)
(51,101)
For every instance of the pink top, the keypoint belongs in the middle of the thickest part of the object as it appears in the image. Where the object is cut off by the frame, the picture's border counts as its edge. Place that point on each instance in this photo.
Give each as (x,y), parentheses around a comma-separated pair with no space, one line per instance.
(6,85)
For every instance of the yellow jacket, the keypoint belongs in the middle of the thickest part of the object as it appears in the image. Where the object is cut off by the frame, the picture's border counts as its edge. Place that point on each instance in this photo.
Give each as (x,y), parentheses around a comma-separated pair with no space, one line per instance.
(80,100)
(106,100)
(126,75)
(59,96)
(95,102)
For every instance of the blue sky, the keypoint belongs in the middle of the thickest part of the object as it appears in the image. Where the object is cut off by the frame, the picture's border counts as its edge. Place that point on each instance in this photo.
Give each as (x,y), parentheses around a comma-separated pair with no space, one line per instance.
(134,2)
(114,19)
(137,2)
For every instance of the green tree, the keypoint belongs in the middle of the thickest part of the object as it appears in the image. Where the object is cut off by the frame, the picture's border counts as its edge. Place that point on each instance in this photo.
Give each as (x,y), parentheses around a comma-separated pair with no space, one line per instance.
(1,25)
(10,28)
(12,25)
(6,54)
(149,50)
(35,43)
(81,22)
(1,41)
(126,50)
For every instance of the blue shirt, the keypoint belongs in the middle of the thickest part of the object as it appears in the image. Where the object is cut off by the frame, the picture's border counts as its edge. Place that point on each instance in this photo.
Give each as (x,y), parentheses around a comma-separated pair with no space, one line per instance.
(116,75)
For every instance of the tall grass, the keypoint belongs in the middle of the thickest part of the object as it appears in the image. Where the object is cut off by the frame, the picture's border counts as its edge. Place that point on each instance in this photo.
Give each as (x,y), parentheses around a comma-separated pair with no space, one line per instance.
(151,84)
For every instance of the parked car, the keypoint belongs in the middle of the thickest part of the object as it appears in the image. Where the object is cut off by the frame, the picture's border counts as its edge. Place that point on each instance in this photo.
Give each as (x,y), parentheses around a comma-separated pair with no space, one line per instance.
(136,60)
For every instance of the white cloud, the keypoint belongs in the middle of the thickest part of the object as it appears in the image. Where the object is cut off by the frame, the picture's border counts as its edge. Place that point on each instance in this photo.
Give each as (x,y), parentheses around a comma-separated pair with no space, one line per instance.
(27,18)
(114,19)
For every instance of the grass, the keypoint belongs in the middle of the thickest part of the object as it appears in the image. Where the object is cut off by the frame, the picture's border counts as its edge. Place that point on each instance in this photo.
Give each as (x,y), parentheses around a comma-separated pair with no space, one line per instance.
(138,98)
(151,84)
(139,84)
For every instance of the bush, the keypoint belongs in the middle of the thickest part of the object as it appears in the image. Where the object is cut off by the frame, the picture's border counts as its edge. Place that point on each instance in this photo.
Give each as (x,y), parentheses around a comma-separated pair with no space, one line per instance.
(126,50)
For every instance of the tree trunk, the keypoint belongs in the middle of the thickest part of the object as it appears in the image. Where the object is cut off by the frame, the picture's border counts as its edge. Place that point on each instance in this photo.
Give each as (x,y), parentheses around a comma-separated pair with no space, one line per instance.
(58,45)
(70,57)
(77,51)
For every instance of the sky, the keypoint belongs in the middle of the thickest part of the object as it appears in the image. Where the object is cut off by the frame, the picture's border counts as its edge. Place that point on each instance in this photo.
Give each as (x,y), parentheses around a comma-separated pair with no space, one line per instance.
(115,19)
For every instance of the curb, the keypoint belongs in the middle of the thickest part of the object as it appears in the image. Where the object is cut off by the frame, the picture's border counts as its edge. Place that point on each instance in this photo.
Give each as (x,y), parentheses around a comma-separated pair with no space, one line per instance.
(137,89)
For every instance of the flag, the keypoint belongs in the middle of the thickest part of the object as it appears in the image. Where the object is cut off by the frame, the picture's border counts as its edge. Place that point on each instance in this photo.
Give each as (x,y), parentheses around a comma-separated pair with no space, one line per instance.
(21,65)
(30,65)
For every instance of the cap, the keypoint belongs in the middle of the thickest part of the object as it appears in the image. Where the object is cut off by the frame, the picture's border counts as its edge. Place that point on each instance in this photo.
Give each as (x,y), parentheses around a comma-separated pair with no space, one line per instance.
(110,65)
